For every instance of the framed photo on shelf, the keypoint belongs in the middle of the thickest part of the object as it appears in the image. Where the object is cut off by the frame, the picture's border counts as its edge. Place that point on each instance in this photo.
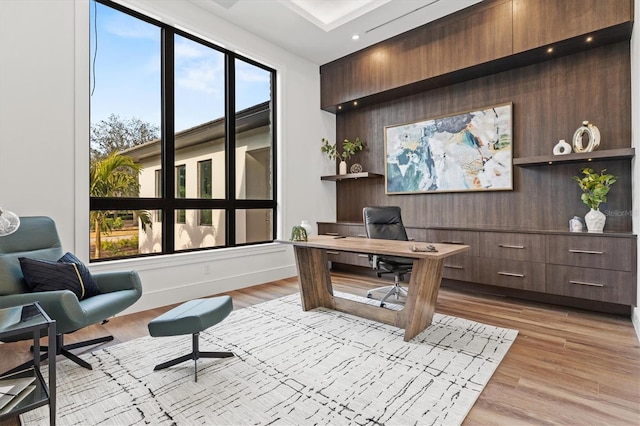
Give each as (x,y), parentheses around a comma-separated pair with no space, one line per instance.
(466,151)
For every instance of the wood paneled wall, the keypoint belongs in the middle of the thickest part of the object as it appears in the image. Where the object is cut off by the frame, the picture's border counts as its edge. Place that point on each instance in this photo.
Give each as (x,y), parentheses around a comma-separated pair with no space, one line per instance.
(550,101)
(488,37)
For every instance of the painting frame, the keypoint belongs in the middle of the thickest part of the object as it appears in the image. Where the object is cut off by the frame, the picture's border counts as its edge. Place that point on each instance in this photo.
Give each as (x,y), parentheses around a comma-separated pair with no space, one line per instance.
(466,151)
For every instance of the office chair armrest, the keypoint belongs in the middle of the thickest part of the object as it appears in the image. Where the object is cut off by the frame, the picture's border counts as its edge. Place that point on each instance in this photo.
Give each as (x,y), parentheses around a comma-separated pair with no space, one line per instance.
(109,282)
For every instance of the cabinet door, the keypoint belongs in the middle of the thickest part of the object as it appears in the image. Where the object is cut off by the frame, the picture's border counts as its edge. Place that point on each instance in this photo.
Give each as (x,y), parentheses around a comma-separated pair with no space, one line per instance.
(448,236)
(594,284)
(592,252)
(507,245)
(512,274)
(330,228)
(538,23)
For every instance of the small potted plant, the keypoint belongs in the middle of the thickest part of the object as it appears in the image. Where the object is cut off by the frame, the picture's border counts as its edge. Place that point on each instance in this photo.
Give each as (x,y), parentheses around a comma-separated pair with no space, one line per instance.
(298,233)
(348,150)
(595,187)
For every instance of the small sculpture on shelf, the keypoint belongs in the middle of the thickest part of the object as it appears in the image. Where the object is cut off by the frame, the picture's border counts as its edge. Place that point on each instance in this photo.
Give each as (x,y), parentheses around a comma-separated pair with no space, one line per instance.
(562,148)
(348,150)
(593,136)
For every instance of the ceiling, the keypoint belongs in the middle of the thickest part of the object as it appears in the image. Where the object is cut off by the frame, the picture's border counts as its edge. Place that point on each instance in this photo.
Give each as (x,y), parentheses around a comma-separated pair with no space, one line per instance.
(321,30)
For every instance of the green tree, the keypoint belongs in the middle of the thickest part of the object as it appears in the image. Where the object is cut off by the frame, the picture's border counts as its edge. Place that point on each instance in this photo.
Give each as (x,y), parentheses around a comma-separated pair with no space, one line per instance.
(116,134)
(114,176)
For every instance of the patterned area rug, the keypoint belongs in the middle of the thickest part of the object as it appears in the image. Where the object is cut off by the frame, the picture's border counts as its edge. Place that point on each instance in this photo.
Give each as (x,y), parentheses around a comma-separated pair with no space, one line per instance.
(291,368)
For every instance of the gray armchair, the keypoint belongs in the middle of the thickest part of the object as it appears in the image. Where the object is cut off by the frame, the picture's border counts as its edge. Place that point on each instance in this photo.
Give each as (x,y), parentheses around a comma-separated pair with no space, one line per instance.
(38,238)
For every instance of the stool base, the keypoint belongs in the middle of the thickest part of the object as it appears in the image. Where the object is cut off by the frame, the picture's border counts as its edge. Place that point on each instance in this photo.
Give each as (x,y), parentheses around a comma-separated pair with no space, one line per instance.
(194,355)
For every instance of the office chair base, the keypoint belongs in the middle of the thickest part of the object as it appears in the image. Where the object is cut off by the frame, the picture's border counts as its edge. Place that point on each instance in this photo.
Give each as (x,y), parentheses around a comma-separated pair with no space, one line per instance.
(194,355)
(395,290)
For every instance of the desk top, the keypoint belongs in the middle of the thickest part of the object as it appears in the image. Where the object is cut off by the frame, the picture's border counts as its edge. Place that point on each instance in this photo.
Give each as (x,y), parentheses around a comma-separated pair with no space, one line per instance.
(381,247)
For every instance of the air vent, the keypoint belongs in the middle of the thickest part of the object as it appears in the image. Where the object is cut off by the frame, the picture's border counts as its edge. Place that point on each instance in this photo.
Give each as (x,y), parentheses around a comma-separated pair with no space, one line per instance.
(401,16)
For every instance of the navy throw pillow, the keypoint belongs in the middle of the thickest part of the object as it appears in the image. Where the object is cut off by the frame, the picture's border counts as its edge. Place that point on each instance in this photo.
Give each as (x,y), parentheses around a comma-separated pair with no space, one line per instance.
(90,286)
(44,275)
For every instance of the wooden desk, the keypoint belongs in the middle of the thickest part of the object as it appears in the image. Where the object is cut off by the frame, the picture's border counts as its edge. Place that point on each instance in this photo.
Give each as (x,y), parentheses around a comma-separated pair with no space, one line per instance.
(316,290)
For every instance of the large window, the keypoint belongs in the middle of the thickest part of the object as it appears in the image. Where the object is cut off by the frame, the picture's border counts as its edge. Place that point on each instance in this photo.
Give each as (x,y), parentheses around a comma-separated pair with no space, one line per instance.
(182,140)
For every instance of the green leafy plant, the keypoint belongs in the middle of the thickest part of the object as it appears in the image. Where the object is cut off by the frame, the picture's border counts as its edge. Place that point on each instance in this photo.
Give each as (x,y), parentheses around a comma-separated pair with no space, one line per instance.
(348,149)
(595,186)
(298,233)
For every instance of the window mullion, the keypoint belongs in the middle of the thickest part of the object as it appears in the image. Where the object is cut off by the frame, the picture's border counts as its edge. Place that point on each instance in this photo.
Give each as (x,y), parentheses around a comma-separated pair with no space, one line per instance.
(230,148)
(168,139)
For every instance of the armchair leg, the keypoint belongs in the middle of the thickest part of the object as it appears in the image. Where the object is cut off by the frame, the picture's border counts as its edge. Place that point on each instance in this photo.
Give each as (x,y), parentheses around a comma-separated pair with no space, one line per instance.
(64,351)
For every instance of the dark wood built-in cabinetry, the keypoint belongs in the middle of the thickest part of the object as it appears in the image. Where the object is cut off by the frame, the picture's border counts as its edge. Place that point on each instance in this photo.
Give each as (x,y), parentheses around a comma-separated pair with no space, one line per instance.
(597,268)
(559,63)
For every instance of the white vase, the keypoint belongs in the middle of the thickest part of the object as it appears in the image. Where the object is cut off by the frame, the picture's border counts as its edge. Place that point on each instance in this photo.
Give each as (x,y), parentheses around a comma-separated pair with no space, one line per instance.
(307,227)
(343,168)
(595,220)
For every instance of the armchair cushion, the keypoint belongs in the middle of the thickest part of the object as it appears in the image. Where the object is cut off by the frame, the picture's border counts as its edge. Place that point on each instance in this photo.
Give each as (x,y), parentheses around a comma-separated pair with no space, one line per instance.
(68,273)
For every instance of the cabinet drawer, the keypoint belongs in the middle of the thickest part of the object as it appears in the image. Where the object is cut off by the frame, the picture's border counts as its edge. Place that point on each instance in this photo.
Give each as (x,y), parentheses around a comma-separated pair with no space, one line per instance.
(506,245)
(594,284)
(461,267)
(417,234)
(512,274)
(447,236)
(592,252)
(355,259)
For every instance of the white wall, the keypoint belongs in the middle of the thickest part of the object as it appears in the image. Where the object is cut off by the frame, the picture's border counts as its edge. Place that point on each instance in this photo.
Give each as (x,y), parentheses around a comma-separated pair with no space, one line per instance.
(635,141)
(44,148)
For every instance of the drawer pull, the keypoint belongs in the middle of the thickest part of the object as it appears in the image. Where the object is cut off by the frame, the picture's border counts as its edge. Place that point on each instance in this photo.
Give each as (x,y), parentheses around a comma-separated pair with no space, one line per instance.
(510,246)
(453,242)
(362,235)
(585,251)
(333,252)
(454,266)
(332,233)
(584,283)
(363,255)
(511,274)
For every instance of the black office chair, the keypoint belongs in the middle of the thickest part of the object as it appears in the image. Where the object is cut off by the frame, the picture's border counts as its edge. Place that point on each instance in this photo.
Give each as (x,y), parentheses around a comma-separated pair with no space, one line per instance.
(386,223)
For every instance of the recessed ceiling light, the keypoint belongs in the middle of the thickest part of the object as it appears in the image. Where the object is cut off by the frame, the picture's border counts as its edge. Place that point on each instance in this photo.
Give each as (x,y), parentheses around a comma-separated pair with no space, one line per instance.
(589,39)
(355,37)
(549,50)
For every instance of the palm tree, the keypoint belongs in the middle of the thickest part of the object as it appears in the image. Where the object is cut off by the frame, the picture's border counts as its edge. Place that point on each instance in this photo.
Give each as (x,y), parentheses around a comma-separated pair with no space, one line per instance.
(114,176)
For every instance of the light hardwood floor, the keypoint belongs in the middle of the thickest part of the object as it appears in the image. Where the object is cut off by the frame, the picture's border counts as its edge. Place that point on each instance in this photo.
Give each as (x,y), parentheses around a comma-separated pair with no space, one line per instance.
(566,366)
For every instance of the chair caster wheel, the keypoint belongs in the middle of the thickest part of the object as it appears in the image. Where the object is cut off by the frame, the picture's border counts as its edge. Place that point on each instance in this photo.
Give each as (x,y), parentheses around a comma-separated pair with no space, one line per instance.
(382,305)
(369,296)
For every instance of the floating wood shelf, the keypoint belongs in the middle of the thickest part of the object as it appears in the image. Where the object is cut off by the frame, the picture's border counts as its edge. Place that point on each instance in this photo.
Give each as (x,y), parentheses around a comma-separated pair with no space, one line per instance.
(361,175)
(544,160)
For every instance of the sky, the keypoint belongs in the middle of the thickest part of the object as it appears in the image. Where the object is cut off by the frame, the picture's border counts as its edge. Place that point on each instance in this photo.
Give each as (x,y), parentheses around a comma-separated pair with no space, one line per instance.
(125,74)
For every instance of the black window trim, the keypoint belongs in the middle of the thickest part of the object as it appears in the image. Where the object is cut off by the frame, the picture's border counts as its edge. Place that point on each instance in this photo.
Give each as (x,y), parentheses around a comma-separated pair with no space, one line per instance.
(169,204)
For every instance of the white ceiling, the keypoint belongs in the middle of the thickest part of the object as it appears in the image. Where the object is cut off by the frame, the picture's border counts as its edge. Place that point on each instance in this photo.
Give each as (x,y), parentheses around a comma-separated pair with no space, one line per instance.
(321,30)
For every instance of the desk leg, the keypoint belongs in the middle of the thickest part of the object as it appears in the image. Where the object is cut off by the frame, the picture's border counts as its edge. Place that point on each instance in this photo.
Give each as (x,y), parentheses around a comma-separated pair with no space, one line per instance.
(314,278)
(424,285)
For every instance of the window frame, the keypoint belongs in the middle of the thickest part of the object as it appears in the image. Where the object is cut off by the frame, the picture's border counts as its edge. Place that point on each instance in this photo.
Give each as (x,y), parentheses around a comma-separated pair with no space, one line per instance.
(168,204)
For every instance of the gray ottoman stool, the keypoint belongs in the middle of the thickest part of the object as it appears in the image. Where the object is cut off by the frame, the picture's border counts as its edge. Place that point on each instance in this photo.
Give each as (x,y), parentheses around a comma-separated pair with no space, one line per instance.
(192,317)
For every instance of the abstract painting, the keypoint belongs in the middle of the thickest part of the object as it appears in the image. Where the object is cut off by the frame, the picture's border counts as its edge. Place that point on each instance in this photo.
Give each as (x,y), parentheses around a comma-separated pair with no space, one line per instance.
(469,151)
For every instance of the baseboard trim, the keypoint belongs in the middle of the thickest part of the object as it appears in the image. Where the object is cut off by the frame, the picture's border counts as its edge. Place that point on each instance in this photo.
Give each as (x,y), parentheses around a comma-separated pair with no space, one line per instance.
(635,319)
(177,294)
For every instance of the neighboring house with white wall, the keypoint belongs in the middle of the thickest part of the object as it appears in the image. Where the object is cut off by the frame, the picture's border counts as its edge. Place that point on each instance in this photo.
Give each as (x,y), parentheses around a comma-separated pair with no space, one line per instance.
(200,173)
